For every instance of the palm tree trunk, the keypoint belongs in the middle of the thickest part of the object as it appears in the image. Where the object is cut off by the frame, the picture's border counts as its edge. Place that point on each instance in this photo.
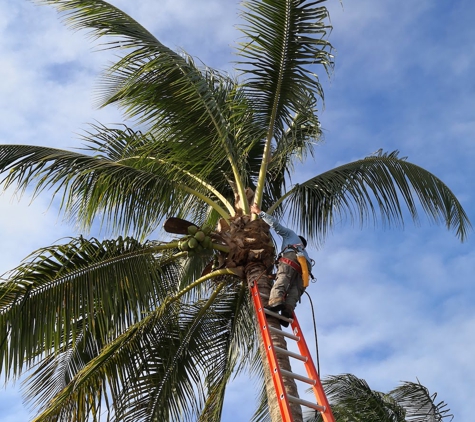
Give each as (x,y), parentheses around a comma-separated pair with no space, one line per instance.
(257,271)
(251,248)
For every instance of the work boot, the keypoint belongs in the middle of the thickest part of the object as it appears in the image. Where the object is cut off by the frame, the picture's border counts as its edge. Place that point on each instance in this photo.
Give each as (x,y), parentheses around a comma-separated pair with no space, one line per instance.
(276,304)
(286,313)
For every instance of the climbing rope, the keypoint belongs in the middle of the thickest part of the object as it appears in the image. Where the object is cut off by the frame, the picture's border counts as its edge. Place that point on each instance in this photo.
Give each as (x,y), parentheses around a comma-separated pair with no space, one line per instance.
(315,332)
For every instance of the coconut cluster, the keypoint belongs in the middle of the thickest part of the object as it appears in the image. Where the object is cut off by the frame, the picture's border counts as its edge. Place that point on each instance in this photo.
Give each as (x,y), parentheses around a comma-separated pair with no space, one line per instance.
(197,240)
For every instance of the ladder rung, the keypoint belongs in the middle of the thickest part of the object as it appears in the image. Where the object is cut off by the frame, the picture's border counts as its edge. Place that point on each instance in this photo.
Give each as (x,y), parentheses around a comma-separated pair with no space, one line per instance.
(276,315)
(291,354)
(263,295)
(298,377)
(283,333)
(321,402)
(306,403)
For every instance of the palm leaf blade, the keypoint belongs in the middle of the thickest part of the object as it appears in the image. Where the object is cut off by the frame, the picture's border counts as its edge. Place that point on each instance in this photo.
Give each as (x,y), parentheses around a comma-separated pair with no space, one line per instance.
(120,193)
(284,37)
(419,404)
(62,292)
(377,183)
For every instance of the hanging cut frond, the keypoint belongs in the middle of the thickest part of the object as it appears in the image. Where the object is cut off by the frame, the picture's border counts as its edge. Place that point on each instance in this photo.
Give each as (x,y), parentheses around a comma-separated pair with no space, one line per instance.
(373,189)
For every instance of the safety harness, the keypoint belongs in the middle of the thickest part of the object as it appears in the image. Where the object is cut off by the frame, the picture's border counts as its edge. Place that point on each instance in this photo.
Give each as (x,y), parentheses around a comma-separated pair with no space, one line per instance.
(293,264)
(301,267)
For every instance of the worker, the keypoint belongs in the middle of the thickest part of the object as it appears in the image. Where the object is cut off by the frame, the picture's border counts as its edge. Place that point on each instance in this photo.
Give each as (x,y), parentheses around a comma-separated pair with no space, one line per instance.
(288,285)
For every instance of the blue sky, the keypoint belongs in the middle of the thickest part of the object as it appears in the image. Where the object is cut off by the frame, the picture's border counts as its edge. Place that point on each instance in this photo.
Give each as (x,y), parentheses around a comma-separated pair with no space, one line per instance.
(391,305)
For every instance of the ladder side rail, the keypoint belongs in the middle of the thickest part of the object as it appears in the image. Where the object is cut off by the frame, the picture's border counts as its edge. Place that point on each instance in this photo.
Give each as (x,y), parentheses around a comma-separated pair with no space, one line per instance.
(320,395)
(282,398)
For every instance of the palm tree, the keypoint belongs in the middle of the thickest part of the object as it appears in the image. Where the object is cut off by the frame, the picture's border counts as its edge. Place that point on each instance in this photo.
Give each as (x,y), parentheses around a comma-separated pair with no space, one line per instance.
(150,330)
(353,400)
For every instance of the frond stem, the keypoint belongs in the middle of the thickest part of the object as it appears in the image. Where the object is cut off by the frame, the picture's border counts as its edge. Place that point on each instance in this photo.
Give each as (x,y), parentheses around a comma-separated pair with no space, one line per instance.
(113,347)
(185,341)
(267,148)
(211,188)
(280,200)
(220,210)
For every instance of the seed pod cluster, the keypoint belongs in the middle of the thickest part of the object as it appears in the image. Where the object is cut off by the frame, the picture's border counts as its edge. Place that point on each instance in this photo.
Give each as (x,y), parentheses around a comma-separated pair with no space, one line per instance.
(197,241)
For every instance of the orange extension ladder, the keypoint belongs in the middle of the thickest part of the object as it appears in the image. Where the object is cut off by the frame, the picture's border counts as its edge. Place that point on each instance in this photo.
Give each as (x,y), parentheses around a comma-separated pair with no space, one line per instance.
(313,379)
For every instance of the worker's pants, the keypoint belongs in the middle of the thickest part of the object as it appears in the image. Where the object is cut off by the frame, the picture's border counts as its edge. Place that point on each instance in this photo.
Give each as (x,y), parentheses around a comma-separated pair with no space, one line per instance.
(288,283)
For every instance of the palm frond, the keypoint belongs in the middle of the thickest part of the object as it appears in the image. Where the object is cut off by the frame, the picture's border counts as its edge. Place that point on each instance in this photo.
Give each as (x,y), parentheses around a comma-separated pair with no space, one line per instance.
(188,167)
(112,369)
(298,141)
(218,337)
(373,189)
(160,87)
(262,413)
(283,39)
(419,404)
(126,198)
(352,399)
(61,292)
(173,381)
(55,371)
(174,348)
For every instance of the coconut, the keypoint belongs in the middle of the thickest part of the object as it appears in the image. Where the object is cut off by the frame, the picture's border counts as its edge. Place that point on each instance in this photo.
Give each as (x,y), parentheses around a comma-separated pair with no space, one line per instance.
(192,243)
(200,236)
(192,230)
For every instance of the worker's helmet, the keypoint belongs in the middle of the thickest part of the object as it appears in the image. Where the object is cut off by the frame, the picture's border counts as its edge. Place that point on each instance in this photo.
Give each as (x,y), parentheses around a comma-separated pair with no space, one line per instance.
(304,241)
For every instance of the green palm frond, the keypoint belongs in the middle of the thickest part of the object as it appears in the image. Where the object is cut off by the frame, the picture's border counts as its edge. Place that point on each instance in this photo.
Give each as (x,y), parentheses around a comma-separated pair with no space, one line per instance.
(352,399)
(125,197)
(186,107)
(262,413)
(193,167)
(113,370)
(160,87)
(419,404)
(299,139)
(173,381)
(174,347)
(213,341)
(371,189)
(283,40)
(64,291)
(223,353)
(54,372)
(297,142)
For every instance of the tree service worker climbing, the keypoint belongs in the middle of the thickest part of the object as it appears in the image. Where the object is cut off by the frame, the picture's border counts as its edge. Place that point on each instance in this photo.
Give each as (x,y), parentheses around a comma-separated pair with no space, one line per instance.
(293,269)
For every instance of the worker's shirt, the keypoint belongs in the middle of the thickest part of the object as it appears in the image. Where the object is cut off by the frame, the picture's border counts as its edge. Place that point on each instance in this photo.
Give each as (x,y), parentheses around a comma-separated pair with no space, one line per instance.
(289,237)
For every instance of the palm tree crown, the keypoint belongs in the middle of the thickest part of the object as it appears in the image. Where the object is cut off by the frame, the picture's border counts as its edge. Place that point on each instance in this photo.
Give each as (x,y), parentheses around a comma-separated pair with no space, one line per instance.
(151,330)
